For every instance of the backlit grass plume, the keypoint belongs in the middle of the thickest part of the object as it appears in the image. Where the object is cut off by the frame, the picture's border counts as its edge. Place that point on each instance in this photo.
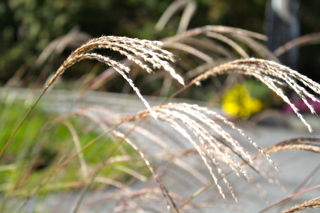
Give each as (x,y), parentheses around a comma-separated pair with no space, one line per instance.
(202,48)
(142,52)
(147,54)
(199,126)
(272,75)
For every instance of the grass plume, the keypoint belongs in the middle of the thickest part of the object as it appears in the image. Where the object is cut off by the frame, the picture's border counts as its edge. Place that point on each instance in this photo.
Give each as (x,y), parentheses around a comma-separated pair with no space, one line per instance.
(273,75)
(133,49)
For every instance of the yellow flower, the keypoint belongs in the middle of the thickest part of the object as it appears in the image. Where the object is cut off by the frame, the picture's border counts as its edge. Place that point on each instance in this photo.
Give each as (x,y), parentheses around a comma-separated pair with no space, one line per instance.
(238,102)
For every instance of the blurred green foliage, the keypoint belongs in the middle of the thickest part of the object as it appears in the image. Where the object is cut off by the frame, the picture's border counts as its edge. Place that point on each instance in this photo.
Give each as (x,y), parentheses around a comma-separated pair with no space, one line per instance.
(27,27)
(39,145)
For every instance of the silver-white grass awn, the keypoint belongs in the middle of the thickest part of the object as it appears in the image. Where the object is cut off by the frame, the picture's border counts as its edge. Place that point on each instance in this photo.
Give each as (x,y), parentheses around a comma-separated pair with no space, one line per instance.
(203,137)
(214,126)
(230,124)
(165,192)
(208,141)
(184,133)
(193,121)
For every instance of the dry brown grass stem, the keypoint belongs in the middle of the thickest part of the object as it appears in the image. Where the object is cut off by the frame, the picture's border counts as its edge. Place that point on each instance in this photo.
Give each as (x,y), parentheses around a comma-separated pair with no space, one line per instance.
(228,36)
(112,182)
(310,204)
(105,119)
(131,172)
(301,41)
(256,47)
(190,169)
(73,39)
(307,144)
(289,197)
(204,67)
(187,15)
(170,202)
(188,49)
(175,6)
(229,42)
(149,194)
(218,29)
(76,141)
(209,45)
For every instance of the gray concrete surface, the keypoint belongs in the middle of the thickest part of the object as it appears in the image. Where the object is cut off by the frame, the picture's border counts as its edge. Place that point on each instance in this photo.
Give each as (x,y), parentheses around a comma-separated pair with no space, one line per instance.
(295,166)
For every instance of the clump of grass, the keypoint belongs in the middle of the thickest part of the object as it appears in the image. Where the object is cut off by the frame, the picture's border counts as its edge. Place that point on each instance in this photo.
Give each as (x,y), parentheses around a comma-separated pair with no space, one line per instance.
(198,125)
(213,150)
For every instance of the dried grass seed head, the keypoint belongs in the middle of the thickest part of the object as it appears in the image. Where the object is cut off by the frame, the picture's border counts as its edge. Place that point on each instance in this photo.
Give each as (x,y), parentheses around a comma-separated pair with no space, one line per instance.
(194,123)
(271,74)
(139,51)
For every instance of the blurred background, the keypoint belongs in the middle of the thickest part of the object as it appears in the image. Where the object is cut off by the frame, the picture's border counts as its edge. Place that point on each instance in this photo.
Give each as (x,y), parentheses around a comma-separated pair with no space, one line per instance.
(28,27)
(36,36)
